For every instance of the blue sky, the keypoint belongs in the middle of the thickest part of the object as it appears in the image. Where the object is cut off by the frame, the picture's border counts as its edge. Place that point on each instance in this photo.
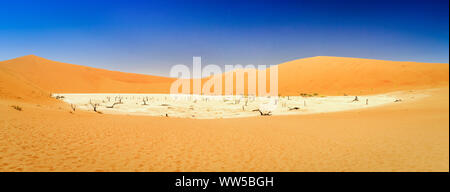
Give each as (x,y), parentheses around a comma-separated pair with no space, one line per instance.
(151,36)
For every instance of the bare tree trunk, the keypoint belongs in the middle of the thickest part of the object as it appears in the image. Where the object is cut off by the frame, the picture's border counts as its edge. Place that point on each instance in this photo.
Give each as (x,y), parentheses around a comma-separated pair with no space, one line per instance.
(94,105)
(145,103)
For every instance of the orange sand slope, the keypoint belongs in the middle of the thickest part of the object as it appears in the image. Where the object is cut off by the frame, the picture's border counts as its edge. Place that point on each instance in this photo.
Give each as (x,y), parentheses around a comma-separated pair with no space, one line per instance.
(57,77)
(45,135)
(407,136)
(339,75)
(323,75)
(13,86)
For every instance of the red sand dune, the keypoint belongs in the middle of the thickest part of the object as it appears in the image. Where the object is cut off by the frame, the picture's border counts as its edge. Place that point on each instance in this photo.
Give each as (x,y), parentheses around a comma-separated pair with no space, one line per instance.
(13,86)
(322,75)
(57,77)
(339,75)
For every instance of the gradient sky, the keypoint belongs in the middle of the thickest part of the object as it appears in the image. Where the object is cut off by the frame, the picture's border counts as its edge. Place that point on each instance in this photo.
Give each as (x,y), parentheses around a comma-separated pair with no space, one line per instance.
(151,36)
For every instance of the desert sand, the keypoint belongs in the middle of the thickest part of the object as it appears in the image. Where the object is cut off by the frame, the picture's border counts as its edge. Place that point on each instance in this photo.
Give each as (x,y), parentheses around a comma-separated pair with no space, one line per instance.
(41,133)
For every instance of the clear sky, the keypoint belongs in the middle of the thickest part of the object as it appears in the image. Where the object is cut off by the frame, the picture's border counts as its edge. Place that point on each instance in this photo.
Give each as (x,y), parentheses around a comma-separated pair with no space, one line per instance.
(151,36)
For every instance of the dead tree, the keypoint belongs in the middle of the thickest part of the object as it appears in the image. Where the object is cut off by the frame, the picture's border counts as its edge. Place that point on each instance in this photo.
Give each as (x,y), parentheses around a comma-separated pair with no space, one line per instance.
(112,106)
(265,113)
(356,99)
(367,101)
(94,105)
(145,103)
(294,108)
(118,98)
(73,107)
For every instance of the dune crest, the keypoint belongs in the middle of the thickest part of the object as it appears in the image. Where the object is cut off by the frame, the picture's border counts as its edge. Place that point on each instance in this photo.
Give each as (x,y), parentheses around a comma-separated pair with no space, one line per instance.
(341,75)
(322,75)
(54,76)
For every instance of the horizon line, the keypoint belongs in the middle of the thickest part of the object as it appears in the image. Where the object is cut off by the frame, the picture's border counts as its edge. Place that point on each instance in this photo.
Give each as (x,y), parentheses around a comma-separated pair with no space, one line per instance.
(291,60)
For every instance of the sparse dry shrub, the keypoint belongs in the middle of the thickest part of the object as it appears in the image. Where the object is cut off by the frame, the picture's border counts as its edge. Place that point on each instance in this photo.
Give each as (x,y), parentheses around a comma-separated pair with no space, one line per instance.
(16,107)
(60,97)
